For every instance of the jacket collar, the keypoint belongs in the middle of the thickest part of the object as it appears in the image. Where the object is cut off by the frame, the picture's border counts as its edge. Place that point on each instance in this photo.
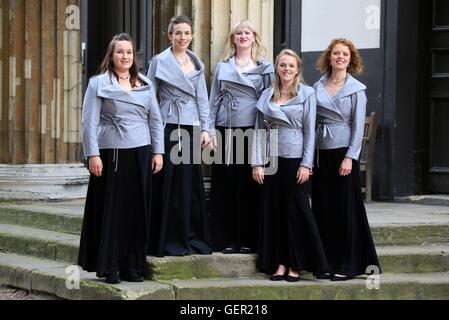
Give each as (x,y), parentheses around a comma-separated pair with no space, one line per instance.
(109,88)
(170,71)
(228,72)
(270,110)
(327,102)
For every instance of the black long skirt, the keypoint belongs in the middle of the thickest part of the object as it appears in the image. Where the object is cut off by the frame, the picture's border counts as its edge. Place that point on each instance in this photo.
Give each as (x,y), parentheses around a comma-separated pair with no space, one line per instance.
(179,221)
(233,200)
(114,235)
(338,207)
(288,232)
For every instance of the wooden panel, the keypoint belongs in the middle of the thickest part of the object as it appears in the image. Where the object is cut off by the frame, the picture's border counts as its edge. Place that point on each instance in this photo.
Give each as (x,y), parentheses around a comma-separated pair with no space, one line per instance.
(202,28)
(48,81)
(267,29)
(220,16)
(32,81)
(16,101)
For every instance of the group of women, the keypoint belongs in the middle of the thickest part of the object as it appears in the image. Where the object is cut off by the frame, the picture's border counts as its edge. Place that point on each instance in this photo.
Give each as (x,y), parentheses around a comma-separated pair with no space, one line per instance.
(144,136)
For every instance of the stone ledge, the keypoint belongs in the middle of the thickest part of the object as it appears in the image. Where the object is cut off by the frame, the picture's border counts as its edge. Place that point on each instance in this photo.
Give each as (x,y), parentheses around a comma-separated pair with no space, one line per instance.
(43,182)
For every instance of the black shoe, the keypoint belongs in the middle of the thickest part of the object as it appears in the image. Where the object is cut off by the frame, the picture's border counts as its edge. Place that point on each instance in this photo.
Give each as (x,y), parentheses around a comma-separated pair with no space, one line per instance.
(277,277)
(131,276)
(113,278)
(340,278)
(323,276)
(245,250)
(228,250)
(292,278)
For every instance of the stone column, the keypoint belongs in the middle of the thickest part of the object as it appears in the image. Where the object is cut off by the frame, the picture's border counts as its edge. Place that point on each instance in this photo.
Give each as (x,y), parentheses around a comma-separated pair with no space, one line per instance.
(40,95)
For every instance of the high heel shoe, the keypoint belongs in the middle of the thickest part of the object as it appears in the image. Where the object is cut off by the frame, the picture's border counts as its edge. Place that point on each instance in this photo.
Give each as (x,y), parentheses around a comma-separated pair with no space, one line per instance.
(277,277)
(292,278)
(339,277)
(113,278)
(245,250)
(228,250)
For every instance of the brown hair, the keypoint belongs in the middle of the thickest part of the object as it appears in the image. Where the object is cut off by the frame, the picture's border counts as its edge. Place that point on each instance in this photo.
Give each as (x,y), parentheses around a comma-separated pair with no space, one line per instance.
(355,66)
(178,20)
(258,51)
(108,65)
(293,90)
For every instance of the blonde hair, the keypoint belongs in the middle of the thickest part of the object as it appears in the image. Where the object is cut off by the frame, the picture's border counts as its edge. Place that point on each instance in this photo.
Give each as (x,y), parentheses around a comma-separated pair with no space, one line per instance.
(355,67)
(293,90)
(258,50)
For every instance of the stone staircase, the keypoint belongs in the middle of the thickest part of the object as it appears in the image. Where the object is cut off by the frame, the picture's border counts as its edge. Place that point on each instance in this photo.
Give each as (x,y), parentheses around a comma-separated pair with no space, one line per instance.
(39,246)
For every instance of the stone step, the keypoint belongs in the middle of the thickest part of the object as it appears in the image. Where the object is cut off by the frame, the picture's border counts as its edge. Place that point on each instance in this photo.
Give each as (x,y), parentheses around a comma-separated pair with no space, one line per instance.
(50,277)
(391,223)
(47,276)
(66,217)
(64,247)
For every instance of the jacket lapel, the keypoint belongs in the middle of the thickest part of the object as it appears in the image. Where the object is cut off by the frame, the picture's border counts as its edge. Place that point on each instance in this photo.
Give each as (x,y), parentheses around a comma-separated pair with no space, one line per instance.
(228,72)
(170,71)
(109,88)
(351,86)
(326,102)
(271,110)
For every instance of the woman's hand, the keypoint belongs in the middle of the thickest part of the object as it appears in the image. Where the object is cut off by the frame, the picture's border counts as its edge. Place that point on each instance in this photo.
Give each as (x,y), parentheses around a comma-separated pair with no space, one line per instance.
(96,166)
(157,163)
(303,175)
(205,139)
(345,167)
(258,175)
(214,143)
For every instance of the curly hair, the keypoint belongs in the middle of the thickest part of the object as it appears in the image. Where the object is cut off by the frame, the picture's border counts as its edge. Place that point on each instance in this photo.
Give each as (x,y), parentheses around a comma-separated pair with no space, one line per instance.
(355,66)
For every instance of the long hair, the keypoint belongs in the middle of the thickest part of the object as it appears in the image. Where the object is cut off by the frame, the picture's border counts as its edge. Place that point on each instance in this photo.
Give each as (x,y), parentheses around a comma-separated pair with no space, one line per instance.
(258,51)
(293,89)
(355,66)
(108,65)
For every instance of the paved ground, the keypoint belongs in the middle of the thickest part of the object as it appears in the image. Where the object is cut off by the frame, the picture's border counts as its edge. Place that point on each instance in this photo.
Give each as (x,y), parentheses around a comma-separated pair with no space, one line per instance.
(7,293)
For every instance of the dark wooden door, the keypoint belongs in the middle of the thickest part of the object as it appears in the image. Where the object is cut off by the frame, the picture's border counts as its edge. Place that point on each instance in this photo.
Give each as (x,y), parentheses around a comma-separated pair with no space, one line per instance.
(105,18)
(437,175)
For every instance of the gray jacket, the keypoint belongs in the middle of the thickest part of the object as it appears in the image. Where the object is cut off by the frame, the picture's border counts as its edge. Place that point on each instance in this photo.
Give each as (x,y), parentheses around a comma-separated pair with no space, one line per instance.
(114,118)
(295,124)
(234,96)
(183,98)
(341,119)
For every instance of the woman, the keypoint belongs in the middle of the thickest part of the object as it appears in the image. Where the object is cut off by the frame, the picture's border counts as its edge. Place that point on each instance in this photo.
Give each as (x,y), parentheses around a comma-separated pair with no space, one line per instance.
(122,138)
(289,241)
(179,217)
(337,200)
(239,80)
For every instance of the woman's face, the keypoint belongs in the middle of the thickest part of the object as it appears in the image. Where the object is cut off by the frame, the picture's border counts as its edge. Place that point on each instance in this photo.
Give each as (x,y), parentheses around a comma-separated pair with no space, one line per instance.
(123,56)
(287,68)
(244,38)
(181,36)
(340,57)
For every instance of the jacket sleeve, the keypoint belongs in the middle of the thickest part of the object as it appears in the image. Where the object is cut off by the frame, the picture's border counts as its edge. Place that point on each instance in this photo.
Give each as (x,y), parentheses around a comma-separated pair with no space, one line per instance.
(214,93)
(358,124)
(91,119)
(156,125)
(152,73)
(203,103)
(259,136)
(309,118)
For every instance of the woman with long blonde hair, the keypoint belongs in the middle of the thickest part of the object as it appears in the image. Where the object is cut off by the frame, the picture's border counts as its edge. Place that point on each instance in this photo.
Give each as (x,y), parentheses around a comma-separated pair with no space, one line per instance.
(289,240)
(239,80)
